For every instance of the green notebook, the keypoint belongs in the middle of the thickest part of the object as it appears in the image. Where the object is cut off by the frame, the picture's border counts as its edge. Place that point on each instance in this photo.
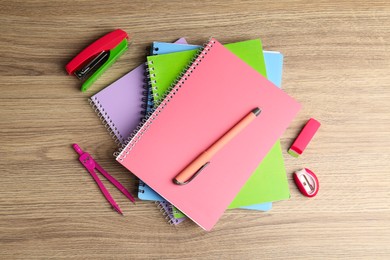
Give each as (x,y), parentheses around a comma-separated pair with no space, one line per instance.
(268,182)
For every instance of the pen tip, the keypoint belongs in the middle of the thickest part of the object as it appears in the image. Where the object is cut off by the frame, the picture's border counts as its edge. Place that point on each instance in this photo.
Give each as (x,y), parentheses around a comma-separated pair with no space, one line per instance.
(256,111)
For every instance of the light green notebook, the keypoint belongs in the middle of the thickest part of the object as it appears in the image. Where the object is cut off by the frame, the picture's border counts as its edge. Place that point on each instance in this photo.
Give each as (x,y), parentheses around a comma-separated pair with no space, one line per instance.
(268,182)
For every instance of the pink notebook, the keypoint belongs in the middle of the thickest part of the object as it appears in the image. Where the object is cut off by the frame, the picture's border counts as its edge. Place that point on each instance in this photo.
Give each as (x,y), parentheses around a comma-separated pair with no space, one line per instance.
(204,104)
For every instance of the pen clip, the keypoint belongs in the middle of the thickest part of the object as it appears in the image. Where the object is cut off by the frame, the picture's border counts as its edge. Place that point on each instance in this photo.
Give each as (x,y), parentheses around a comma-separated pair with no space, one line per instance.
(193,176)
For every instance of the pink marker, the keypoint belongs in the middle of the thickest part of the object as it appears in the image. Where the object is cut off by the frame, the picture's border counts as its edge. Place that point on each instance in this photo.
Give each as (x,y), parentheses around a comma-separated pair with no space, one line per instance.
(304,137)
(91,165)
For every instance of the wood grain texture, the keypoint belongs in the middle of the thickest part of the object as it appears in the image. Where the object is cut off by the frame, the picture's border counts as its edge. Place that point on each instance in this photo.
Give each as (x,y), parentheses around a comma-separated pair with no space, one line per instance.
(337,64)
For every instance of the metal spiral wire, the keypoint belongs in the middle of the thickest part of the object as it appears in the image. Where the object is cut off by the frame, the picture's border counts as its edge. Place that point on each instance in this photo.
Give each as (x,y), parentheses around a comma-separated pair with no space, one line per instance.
(106,120)
(145,123)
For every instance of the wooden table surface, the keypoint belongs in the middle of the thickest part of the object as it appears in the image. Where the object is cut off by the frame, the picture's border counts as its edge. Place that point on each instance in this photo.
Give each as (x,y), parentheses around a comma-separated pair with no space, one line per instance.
(337,64)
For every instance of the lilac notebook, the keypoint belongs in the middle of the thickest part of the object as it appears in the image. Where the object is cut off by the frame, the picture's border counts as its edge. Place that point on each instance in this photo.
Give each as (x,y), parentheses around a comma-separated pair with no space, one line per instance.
(166,209)
(121,105)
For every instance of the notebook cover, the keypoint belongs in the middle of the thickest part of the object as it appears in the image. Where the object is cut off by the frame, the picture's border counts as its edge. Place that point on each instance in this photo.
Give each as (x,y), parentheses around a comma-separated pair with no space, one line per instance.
(274,64)
(169,68)
(177,213)
(120,105)
(269,181)
(277,177)
(144,191)
(166,47)
(196,114)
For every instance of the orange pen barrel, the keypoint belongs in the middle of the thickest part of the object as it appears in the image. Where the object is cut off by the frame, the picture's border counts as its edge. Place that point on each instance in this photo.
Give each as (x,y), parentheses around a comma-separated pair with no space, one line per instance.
(198,164)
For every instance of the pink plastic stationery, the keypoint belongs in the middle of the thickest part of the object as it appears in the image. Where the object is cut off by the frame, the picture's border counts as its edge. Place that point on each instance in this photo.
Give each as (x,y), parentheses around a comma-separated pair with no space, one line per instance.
(91,165)
(304,137)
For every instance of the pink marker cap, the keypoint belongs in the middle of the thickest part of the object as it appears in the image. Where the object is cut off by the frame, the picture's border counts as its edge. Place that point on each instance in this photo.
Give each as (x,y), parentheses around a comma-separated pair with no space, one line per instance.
(304,137)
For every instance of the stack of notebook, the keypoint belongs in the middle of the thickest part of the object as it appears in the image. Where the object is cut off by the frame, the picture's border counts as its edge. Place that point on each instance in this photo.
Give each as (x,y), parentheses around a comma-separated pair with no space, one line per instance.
(180,102)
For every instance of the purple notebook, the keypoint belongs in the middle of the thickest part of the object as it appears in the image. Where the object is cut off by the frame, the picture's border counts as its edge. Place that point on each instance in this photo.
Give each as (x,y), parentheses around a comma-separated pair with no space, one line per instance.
(166,209)
(121,105)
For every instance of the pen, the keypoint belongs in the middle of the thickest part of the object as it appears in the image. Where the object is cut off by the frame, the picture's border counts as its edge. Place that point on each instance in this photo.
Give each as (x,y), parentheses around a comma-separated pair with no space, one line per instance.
(197,165)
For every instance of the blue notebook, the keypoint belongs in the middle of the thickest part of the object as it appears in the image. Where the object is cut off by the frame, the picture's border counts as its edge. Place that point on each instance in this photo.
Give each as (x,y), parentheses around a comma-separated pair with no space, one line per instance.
(167,47)
(274,67)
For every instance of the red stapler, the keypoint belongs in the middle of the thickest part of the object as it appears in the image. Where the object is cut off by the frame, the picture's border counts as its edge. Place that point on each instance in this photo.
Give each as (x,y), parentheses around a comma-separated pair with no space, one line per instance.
(98,57)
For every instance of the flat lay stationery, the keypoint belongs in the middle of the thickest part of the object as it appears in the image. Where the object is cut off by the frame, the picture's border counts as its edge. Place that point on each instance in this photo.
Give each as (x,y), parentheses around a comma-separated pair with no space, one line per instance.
(209,118)
(274,63)
(215,71)
(269,182)
(274,67)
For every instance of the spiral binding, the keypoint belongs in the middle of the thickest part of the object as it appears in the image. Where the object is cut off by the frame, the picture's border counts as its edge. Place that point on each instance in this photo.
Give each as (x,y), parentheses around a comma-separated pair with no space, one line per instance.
(152,81)
(140,187)
(147,94)
(153,114)
(164,208)
(106,120)
(154,50)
